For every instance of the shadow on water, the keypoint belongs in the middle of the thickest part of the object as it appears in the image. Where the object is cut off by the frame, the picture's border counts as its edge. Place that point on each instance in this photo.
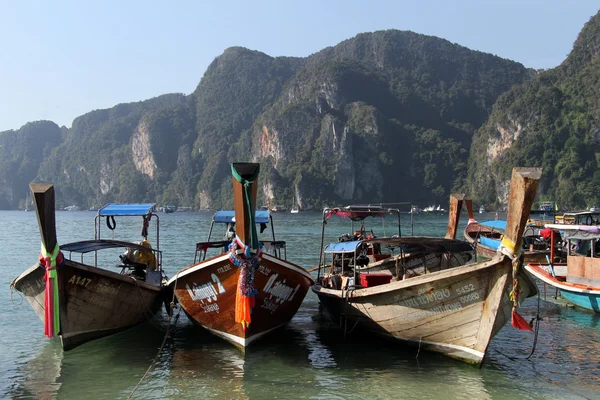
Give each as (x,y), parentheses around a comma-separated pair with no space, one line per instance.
(104,368)
(312,362)
(309,358)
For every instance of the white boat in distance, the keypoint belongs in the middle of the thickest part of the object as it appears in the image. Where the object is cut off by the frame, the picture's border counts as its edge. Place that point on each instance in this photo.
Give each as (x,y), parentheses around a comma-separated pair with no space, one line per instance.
(434,209)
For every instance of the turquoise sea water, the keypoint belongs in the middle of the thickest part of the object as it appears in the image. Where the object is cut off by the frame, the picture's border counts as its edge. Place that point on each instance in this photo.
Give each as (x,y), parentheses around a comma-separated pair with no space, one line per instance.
(309,358)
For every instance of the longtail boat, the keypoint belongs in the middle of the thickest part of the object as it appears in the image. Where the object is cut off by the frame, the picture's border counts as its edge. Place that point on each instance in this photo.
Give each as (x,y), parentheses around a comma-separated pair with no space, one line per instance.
(80,301)
(243,293)
(451,309)
(579,278)
(378,255)
(487,236)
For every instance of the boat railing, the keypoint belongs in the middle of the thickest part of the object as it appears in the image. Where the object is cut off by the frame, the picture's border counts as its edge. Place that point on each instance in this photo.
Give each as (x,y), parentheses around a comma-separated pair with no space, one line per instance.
(94,246)
(274,247)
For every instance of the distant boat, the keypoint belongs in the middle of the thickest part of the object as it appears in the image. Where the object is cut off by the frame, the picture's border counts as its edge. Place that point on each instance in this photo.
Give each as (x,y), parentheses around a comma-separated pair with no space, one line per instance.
(72,208)
(434,209)
(415,210)
(594,209)
(28,201)
(169,209)
(294,210)
(547,206)
(481,209)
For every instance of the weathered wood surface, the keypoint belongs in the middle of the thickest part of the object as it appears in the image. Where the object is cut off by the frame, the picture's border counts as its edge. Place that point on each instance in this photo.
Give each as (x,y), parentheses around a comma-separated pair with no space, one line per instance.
(242,215)
(456,201)
(523,187)
(583,267)
(93,302)
(454,311)
(207,294)
(43,201)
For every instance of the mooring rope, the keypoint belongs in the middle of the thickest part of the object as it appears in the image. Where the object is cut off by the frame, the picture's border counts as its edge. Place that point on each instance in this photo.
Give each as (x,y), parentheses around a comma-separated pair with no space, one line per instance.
(155,357)
(528,358)
(12,289)
(171,307)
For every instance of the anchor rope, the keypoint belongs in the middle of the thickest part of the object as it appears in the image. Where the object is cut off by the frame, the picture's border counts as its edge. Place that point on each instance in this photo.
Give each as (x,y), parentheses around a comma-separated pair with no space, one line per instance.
(160,349)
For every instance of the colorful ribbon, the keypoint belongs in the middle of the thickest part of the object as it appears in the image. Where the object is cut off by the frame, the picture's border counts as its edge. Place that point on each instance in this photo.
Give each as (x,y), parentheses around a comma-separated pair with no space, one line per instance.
(241,256)
(247,259)
(51,299)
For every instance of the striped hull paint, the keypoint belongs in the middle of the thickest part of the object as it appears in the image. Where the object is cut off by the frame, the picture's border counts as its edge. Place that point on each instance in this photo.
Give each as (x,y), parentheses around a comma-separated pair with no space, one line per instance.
(580,295)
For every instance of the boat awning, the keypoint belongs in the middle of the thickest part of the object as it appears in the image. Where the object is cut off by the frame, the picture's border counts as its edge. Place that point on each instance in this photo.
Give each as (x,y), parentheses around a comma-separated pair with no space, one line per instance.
(496,224)
(411,244)
(87,246)
(577,232)
(226,216)
(343,247)
(126,209)
(358,213)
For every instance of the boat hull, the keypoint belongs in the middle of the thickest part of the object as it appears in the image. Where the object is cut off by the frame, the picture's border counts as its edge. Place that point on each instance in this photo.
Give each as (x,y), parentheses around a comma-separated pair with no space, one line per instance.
(455,312)
(580,295)
(93,302)
(207,293)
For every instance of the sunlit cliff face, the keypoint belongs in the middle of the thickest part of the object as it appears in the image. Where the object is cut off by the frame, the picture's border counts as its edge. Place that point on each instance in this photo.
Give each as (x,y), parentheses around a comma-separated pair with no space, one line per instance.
(142,156)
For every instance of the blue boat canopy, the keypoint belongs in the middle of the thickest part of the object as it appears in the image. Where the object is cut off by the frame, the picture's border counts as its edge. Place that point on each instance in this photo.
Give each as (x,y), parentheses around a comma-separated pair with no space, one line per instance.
(226,216)
(496,224)
(343,247)
(126,209)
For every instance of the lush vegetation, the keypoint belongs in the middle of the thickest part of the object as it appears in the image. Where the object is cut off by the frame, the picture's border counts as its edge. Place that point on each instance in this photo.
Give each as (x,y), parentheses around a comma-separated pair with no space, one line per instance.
(382,117)
(557,115)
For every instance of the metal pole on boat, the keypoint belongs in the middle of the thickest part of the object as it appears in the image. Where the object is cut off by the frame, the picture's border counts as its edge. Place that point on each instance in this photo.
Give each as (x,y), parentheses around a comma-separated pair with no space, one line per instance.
(321,257)
(552,243)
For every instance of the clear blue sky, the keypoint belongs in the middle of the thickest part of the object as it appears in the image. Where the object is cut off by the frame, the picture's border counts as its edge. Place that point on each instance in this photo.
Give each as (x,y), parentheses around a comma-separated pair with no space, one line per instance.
(61,59)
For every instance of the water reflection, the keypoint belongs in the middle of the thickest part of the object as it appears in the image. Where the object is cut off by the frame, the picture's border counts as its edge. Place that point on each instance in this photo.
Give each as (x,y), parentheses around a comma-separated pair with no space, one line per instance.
(307,359)
(39,378)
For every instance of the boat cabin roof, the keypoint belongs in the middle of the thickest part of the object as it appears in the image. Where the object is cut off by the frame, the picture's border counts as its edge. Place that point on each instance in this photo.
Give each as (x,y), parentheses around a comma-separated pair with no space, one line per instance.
(581,213)
(410,244)
(358,212)
(577,232)
(497,224)
(87,246)
(227,216)
(116,209)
